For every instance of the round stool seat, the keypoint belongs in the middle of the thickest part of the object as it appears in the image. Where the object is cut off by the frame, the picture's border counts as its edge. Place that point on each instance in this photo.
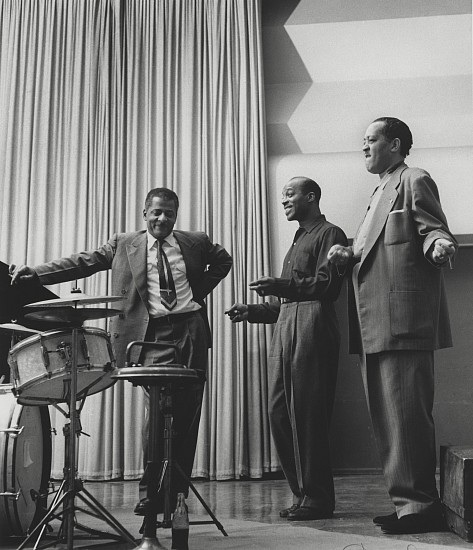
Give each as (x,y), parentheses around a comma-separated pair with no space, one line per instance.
(157,374)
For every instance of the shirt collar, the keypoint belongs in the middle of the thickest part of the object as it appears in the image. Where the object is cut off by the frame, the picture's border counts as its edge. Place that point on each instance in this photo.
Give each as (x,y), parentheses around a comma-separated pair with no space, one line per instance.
(316,222)
(388,175)
(170,239)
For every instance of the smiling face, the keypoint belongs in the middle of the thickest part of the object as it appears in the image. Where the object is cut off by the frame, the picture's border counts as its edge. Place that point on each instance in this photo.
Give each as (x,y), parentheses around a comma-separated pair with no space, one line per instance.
(296,203)
(160,217)
(380,153)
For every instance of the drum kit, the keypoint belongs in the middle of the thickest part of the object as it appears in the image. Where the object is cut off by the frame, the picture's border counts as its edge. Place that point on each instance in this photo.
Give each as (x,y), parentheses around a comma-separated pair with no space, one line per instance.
(64,366)
(51,368)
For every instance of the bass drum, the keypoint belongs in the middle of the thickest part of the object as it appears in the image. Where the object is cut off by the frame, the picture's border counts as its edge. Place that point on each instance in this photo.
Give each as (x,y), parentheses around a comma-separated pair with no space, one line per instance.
(25,464)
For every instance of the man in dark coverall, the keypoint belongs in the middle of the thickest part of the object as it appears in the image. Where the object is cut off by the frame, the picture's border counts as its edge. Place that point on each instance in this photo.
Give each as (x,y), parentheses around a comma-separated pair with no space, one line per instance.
(304,351)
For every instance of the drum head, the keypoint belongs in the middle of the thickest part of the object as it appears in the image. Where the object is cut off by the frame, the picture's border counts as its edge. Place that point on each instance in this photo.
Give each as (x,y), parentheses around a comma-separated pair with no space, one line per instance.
(25,446)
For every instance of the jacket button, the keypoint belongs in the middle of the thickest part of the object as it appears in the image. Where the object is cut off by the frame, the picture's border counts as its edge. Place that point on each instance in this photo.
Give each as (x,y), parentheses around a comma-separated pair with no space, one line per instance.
(116,334)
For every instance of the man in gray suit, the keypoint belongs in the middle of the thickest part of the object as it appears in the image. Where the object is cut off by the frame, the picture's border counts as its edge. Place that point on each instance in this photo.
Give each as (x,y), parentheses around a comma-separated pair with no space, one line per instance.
(164,276)
(397,318)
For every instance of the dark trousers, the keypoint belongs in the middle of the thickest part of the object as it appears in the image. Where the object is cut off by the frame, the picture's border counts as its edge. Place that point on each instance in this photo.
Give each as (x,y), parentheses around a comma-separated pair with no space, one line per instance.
(187,331)
(303,374)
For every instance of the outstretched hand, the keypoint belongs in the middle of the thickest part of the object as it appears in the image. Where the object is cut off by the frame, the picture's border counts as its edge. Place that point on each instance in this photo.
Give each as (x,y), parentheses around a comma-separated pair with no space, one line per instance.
(22,273)
(264,286)
(340,255)
(237,313)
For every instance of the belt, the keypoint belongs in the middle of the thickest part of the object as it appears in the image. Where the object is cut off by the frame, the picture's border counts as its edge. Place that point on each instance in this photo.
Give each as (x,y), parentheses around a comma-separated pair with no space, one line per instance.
(172,317)
(288,301)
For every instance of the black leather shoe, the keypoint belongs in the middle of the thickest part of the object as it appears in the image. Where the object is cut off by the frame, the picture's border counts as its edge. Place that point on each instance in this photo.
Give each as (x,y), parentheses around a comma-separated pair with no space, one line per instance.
(142,508)
(304,513)
(415,523)
(381,520)
(284,513)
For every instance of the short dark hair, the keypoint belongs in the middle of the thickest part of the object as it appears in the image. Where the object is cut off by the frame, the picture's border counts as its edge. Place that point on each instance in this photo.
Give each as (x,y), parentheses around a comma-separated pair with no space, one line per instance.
(395,128)
(309,186)
(163,193)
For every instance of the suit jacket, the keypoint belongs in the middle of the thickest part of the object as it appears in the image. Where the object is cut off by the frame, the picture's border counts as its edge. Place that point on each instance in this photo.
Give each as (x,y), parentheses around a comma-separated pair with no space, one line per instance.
(399,289)
(125,254)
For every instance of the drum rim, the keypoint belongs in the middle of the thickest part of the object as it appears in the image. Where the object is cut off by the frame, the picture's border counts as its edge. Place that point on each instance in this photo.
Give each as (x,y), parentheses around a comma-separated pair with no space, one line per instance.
(48,333)
(32,382)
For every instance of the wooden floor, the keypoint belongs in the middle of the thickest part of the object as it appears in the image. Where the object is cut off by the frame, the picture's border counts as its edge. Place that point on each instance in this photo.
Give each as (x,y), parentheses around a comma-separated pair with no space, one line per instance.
(359,498)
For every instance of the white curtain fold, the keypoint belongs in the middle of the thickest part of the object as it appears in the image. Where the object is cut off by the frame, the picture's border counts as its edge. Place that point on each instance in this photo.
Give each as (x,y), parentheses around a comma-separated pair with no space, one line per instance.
(101,100)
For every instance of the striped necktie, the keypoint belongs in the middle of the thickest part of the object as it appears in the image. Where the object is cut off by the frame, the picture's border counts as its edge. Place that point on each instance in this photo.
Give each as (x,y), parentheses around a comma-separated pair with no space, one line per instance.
(166,282)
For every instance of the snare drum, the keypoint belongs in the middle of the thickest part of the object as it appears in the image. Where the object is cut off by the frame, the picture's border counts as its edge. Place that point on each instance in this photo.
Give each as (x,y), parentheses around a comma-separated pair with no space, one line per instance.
(41,365)
(25,464)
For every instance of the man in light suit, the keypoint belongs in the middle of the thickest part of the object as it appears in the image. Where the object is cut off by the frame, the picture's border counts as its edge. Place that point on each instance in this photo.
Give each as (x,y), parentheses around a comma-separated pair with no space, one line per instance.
(397,318)
(196,267)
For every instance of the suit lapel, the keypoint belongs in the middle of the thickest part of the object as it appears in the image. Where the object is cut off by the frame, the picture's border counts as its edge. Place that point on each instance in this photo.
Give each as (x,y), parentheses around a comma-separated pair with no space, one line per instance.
(189,252)
(385,205)
(136,252)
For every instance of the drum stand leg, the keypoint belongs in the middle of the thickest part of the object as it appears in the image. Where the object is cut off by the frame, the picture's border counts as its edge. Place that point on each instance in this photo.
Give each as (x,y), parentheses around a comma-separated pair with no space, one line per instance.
(170,466)
(150,540)
(72,487)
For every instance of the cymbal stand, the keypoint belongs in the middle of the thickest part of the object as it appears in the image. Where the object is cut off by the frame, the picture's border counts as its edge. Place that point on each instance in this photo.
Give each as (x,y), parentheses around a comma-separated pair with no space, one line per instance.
(72,487)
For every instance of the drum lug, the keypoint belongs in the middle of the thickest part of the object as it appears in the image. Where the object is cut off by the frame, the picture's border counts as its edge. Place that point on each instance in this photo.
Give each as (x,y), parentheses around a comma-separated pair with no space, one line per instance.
(14,369)
(111,354)
(13,432)
(65,351)
(108,367)
(44,353)
(85,351)
(14,496)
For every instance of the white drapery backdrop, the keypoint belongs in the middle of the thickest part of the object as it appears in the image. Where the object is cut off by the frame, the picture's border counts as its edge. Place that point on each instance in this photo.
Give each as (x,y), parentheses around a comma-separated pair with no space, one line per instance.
(101,100)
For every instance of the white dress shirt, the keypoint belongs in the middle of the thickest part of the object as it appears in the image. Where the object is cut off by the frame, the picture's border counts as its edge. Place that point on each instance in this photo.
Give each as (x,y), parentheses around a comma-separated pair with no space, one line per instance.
(185,302)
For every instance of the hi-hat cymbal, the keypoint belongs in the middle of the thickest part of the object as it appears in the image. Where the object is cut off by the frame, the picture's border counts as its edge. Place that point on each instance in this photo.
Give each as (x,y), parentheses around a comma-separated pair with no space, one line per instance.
(14,327)
(75,298)
(71,315)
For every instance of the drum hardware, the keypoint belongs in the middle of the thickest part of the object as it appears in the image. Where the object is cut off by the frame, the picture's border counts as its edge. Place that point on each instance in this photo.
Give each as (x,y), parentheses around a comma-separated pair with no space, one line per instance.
(13,432)
(161,380)
(14,496)
(71,486)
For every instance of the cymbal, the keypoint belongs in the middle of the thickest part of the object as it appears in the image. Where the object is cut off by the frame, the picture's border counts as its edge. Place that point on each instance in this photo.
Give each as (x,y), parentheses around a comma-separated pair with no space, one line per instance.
(71,315)
(14,327)
(75,298)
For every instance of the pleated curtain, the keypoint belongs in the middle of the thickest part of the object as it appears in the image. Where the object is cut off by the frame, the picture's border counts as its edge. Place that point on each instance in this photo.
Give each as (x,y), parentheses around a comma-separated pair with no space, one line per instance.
(101,100)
